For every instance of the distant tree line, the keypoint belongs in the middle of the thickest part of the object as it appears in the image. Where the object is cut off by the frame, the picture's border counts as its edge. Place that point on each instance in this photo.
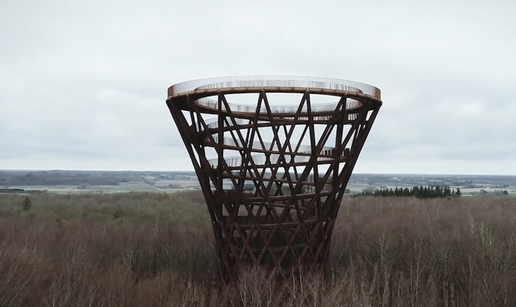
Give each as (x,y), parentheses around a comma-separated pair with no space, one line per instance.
(419,192)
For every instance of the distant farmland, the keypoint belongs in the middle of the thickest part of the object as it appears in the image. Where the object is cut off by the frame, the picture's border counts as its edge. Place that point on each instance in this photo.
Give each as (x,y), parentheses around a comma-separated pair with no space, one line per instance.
(130,181)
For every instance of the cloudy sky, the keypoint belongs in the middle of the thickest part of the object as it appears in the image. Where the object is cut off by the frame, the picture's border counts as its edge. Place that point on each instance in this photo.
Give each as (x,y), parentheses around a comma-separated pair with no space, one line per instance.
(83,83)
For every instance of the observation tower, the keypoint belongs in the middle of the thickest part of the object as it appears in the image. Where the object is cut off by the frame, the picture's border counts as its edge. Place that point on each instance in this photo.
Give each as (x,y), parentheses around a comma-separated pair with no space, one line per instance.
(273,156)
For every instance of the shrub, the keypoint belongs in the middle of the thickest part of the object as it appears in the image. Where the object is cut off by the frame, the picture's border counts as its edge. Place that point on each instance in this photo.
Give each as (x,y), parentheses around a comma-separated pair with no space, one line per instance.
(386,252)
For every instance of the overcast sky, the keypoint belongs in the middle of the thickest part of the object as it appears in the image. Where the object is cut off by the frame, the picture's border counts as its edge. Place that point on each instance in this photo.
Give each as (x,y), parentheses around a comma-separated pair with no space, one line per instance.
(83,83)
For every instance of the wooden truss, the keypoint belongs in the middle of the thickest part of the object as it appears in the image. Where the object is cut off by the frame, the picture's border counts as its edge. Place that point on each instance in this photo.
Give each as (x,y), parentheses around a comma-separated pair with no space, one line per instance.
(277,174)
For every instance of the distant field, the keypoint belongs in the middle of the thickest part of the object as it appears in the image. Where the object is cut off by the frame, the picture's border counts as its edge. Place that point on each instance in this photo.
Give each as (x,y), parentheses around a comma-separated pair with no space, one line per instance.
(123,187)
(156,249)
(128,181)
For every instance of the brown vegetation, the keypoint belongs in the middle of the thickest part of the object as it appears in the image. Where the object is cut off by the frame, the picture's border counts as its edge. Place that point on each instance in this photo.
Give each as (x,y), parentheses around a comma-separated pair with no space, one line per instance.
(142,249)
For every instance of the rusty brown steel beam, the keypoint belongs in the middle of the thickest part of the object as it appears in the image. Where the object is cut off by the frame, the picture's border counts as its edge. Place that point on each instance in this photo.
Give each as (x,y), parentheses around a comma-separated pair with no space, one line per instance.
(267,208)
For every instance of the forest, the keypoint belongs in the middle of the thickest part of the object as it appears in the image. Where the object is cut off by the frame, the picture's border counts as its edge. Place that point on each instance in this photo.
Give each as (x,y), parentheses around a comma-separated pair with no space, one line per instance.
(157,249)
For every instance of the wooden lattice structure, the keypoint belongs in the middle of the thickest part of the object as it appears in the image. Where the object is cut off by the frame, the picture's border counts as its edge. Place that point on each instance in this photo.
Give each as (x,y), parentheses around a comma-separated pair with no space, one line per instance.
(273,156)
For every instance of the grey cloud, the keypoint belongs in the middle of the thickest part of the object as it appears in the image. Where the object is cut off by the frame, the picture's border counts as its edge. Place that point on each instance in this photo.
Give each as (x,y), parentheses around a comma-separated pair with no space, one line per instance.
(83,84)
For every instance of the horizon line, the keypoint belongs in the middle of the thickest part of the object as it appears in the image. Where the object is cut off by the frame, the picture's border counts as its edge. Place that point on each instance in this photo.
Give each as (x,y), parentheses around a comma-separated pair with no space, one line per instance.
(192,171)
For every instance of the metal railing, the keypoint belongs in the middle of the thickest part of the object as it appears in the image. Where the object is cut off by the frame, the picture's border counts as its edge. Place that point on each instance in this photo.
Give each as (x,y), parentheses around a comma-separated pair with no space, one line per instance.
(273,82)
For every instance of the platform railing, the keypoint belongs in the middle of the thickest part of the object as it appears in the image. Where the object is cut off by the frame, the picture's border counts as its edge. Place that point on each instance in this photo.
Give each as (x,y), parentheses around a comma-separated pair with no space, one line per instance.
(273,81)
